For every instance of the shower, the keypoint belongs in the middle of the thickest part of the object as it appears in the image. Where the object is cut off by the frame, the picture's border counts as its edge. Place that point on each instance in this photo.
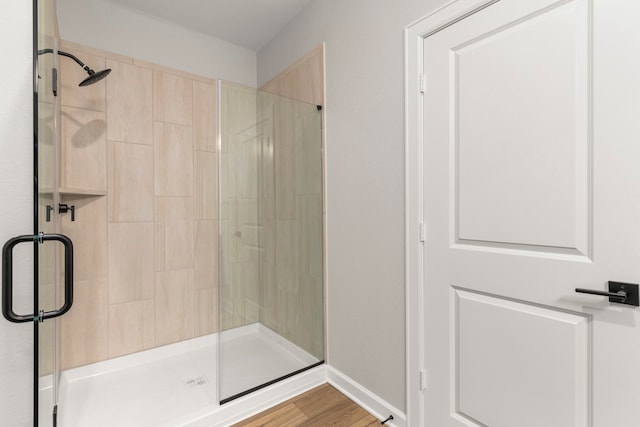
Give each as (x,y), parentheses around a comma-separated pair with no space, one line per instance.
(198,240)
(94,76)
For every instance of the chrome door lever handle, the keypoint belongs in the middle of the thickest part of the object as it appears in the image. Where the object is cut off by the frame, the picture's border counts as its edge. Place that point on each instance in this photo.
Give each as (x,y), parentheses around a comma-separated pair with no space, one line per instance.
(619,292)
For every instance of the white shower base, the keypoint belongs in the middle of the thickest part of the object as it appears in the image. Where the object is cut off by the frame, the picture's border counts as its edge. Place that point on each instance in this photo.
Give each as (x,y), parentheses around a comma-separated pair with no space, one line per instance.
(177,385)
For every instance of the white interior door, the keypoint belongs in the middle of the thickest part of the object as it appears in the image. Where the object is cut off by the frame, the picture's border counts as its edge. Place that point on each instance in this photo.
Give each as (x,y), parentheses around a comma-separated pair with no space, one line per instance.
(531,188)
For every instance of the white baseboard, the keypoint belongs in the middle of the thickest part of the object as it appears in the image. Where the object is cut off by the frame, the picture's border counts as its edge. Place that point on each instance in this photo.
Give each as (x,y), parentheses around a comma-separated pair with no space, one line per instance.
(261,400)
(363,397)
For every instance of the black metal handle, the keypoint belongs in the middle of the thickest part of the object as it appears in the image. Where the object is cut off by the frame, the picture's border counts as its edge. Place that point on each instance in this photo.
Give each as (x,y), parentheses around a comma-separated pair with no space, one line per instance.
(621,295)
(64,208)
(7,277)
(619,292)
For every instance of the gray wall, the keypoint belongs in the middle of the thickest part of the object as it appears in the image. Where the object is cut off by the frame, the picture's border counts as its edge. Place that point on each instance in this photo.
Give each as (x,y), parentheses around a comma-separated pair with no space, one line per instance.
(115,28)
(365,177)
(16,139)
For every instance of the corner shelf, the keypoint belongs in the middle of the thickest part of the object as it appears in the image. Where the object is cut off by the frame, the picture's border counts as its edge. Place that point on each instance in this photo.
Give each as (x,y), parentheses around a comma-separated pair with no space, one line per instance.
(81,192)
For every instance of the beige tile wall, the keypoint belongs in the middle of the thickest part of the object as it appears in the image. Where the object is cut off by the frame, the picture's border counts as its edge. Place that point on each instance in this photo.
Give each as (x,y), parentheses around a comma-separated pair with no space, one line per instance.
(84,154)
(130,183)
(130,95)
(146,265)
(146,252)
(303,80)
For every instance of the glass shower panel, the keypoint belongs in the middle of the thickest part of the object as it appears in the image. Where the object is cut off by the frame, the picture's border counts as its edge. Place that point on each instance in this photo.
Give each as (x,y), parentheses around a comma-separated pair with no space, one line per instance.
(271,295)
(239,257)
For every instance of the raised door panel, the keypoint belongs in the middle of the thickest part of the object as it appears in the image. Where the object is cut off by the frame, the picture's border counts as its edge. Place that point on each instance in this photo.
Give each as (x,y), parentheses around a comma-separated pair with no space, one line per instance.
(508,353)
(521,133)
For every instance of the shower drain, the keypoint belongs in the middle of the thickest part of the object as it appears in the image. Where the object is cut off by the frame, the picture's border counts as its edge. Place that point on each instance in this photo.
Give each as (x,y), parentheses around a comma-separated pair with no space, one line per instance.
(194,382)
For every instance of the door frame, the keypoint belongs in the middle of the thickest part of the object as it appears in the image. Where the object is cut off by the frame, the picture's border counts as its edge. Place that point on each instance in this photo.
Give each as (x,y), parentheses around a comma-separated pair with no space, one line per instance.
(416,231)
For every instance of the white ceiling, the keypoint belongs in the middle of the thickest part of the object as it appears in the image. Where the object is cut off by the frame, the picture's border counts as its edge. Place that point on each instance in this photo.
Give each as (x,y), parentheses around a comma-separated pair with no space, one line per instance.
(247,23)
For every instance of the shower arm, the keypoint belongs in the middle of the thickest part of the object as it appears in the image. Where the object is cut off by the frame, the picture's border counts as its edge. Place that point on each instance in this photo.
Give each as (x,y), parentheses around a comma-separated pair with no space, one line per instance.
(68,55)
(93,76)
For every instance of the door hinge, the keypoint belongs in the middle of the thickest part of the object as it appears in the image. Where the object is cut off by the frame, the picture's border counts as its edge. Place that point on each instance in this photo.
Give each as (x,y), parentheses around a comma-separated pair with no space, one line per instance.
(423,82)
(423,380)
(423,232)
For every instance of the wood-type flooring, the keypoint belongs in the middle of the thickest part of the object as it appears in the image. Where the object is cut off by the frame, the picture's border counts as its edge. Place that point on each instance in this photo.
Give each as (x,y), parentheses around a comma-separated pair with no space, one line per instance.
(321,406)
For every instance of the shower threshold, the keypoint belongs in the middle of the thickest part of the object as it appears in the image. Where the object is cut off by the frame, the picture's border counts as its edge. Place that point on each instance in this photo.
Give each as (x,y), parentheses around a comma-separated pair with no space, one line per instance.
(177,384)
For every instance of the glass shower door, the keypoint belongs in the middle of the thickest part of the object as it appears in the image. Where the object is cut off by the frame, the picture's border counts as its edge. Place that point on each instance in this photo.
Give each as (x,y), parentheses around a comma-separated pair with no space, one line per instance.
(271,297)
(49,295)
(49,300)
